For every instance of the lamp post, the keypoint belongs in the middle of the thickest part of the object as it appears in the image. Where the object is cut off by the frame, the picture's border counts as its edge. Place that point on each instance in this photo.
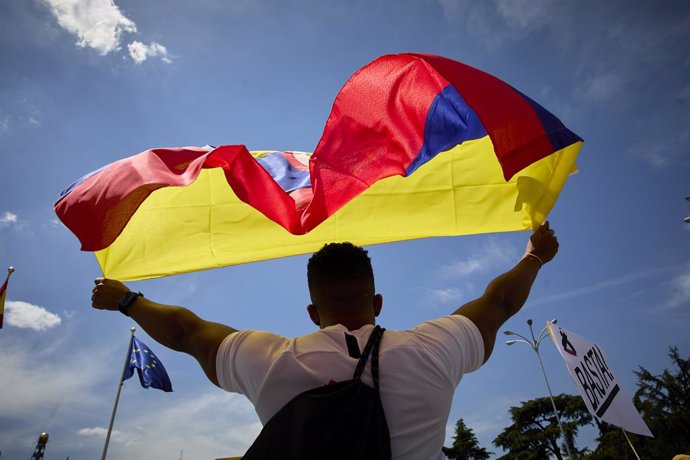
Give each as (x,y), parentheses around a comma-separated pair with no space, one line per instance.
(687,219)
(534,345)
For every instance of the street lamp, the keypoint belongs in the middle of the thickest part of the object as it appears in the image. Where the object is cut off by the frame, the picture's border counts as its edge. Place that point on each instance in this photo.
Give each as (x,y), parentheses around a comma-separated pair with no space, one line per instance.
(534,345)
(687,219)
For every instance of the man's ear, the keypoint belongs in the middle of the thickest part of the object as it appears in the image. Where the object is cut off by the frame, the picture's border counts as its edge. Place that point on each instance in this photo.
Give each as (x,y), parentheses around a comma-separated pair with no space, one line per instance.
(314,314)
(378,304)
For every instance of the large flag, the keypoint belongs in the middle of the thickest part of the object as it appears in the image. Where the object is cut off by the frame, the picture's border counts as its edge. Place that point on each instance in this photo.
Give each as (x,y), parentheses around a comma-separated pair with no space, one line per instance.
(3,293)
(593,376)
(150,369)
(415,146)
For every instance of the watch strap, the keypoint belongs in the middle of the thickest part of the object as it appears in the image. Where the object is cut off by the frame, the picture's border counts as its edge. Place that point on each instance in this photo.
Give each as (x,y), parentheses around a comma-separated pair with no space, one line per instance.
(127,300)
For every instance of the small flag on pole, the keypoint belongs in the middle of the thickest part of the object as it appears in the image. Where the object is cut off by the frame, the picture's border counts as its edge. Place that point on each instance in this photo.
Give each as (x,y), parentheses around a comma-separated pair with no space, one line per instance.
(3,291)
(150,369)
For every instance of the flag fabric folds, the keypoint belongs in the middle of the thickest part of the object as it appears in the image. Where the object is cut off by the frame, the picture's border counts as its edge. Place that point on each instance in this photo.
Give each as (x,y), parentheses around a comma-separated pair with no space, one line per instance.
(415,146)
(150,369)
(3,294)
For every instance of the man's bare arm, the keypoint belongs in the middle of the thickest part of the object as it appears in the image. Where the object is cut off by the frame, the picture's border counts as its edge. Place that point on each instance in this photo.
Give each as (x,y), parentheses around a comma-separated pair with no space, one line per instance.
(506,294)
(175,327)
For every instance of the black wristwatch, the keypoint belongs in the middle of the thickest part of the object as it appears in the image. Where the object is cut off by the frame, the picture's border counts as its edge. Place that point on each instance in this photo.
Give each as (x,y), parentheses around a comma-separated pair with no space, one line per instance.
(127,300)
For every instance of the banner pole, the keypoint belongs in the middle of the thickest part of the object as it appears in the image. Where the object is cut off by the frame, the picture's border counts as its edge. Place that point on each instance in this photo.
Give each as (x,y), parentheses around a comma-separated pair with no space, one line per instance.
(117,395)
(630,444)
(553,403)
(534,345)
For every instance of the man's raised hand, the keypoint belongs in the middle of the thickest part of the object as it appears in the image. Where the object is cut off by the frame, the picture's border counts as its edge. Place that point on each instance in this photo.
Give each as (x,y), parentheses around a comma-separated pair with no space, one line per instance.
(107,294)
(543,243)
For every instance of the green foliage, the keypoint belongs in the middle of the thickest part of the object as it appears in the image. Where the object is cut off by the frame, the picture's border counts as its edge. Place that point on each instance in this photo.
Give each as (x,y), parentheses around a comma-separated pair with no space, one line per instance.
(612,444)
(465,445)
(535,435)
(664,402)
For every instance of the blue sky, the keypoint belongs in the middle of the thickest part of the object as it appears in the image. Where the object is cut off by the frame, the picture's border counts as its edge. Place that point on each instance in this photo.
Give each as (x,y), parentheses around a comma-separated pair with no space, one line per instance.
(86,83)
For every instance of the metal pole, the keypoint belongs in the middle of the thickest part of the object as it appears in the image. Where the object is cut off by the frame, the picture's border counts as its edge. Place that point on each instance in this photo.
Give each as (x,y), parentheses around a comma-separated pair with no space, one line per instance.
(630,444)
(553,403)
(534,344)
(117,395)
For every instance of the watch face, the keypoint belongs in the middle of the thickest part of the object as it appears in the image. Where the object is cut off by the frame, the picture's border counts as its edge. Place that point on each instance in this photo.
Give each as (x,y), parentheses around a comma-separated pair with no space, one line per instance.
(126,299)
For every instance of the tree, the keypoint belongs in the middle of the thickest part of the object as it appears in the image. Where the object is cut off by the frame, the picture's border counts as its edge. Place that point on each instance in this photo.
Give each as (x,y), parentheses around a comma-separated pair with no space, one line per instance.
(611,443)
(465,445)
(664,402)
(535,435)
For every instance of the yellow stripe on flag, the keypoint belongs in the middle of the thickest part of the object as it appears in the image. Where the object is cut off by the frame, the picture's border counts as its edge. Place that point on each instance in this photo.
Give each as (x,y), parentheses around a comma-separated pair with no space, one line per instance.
(459,192)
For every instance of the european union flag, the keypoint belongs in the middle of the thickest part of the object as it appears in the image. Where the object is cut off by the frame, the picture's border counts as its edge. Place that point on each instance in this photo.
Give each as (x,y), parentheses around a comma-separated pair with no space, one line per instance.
(150,369)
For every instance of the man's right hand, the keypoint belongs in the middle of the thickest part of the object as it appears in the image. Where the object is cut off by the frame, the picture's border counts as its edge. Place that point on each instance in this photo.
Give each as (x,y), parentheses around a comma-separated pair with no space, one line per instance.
(107,294)
(543,243)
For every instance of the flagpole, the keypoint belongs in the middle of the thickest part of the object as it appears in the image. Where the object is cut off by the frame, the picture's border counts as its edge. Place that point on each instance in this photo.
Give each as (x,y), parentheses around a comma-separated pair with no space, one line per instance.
(10,270)
(630,444)
(534,344)
(117,395)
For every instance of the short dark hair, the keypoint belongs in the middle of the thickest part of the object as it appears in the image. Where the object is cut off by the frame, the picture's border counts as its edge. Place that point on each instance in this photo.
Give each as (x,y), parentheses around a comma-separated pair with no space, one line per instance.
(338,263)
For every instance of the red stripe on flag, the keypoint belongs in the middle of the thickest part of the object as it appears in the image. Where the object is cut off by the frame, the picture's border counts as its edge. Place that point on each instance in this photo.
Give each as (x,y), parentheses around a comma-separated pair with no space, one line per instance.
(515,130)
(375,130)
(99,208)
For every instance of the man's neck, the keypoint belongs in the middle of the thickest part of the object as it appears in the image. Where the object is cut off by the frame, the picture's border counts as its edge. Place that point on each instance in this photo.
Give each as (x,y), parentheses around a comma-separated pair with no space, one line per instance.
(352,324)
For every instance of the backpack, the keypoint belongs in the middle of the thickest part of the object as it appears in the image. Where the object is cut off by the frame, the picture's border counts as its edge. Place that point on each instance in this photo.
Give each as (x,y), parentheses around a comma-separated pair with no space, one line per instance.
(339,421)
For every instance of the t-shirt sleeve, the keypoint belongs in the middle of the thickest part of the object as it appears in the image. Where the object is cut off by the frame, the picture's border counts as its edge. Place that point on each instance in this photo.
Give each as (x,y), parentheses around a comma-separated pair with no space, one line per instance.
(244,358)
(454,342)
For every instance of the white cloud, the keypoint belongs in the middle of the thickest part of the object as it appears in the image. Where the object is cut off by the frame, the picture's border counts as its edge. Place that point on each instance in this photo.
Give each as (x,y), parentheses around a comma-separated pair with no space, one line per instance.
(680,291)
(665,152)
(600,87)
(4,123)
(97,24)
(607,284)
(98,432)
(27,316)
(27,116)
(490,254)
(41,382)
(498,22)
(210,425)
(444,296)
(524,14)
(139,52)
(9,219)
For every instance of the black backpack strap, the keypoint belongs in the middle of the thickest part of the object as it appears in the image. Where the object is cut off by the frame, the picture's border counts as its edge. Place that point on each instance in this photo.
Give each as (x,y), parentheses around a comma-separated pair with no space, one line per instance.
(372,347)
(352,346)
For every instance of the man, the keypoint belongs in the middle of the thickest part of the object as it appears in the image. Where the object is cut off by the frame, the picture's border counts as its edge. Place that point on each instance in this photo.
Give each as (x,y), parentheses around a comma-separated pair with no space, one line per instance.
(419,368)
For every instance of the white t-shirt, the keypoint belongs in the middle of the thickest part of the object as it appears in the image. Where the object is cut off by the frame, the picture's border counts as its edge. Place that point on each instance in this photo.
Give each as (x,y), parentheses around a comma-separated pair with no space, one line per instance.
(419,370)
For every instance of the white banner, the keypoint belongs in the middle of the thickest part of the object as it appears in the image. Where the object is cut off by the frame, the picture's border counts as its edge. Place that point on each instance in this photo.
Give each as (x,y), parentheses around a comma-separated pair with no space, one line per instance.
(594,379)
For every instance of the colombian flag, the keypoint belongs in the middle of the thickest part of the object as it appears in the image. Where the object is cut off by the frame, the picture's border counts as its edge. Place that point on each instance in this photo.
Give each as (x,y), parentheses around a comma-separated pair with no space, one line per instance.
(415,146)
(3,292)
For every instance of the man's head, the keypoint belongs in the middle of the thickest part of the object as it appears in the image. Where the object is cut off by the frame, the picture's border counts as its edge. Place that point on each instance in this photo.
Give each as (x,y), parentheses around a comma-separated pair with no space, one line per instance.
(341,285)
